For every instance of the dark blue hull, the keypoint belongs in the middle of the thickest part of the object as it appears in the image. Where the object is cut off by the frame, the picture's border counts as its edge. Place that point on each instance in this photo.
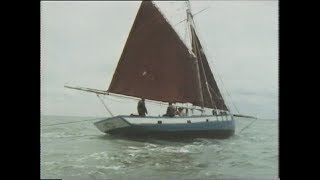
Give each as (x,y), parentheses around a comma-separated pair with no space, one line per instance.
(191,127)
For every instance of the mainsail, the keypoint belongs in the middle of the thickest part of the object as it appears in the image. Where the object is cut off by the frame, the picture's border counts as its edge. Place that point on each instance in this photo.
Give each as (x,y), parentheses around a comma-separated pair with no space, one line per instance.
(155,64)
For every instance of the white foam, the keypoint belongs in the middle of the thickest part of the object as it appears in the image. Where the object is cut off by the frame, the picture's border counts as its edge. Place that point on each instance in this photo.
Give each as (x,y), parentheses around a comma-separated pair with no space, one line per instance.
(109,167)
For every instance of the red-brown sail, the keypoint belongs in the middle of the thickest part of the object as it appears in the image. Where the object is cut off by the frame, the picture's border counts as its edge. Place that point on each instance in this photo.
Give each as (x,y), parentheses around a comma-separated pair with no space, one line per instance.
(155,64)
(206,74)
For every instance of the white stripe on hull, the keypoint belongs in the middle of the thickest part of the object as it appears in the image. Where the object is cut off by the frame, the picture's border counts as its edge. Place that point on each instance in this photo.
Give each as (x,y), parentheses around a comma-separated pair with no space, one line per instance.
(174,120)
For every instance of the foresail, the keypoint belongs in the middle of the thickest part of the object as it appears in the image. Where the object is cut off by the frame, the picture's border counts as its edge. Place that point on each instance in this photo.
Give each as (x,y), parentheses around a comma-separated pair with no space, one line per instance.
(206,74)
(155,64)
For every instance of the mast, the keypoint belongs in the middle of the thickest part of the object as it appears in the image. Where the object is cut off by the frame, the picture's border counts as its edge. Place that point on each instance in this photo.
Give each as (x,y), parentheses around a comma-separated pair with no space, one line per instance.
(203,72)
(198,52)
(189,20)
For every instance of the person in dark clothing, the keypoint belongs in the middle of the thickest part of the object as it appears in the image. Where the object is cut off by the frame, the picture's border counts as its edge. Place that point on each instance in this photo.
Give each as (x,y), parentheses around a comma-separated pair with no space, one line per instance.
(142,110)
(171,110)
(214,112)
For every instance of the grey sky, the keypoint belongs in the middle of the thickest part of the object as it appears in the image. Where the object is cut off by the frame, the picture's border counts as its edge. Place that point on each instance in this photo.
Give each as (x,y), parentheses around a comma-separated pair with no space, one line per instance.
(81,43)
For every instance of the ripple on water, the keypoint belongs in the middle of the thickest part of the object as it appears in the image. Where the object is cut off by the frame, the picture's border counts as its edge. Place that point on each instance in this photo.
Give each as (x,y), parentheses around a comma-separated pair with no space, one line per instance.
(249,153)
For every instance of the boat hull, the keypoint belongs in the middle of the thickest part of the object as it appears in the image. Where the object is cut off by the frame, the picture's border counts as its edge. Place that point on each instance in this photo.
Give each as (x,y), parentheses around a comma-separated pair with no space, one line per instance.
(167,127)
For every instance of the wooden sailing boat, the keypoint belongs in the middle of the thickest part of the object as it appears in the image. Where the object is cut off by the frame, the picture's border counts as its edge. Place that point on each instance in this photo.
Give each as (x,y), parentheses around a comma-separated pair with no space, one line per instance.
(157,65)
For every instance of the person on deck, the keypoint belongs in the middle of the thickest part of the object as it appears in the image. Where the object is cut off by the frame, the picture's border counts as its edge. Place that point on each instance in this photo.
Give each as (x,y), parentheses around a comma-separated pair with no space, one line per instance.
(180,112)
(171,110)
(142,110)
(214,112)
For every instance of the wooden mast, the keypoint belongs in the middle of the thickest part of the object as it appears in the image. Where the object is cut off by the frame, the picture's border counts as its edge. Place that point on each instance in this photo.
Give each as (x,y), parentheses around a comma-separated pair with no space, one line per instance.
(189,19)
(191,24)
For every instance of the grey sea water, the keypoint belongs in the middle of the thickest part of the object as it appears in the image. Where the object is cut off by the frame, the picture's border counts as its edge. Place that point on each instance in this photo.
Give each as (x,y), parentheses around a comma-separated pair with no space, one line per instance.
(78,149)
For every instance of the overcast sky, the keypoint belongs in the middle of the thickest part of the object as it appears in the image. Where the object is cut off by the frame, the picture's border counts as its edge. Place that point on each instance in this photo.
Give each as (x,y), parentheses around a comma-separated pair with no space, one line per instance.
(81,43)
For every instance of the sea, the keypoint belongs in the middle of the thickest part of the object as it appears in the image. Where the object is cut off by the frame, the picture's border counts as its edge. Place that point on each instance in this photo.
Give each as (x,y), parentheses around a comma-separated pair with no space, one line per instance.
(73,148)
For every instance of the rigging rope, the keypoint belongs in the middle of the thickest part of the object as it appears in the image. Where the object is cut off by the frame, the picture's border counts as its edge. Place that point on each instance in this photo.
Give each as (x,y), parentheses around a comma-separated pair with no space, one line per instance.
(198,53)
(239,133)
(248,125)
(211,63)
(225,89)
(105,105)
(71,122)
(192,15)
(186,34)
(218,74)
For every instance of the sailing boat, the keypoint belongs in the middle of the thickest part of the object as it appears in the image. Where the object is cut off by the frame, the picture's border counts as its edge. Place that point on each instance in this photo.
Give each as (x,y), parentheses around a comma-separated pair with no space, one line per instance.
(156,65)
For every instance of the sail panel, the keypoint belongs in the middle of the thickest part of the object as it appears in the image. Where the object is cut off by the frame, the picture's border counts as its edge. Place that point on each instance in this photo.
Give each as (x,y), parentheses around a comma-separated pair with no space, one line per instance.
(206,74)
(155,64)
